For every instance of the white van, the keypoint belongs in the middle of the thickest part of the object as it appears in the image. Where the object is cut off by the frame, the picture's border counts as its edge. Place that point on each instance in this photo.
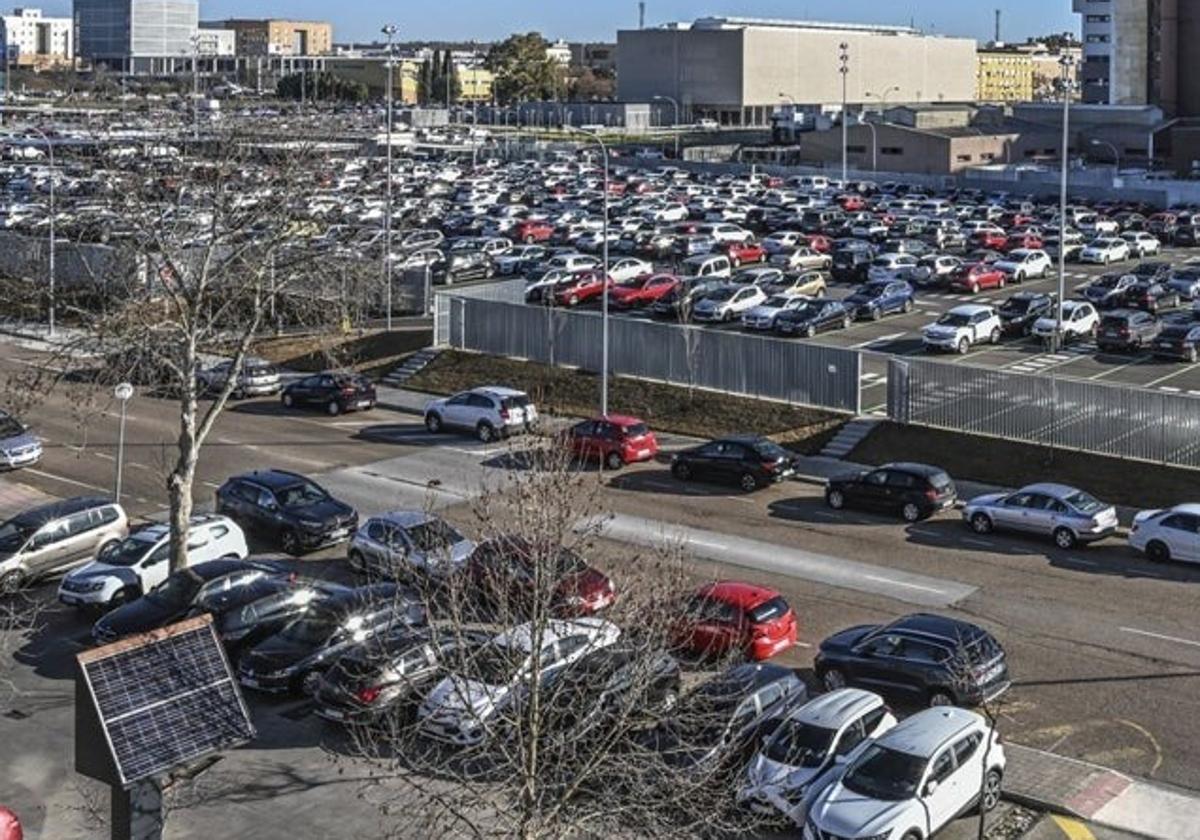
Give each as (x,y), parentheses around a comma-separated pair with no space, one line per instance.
(707,265)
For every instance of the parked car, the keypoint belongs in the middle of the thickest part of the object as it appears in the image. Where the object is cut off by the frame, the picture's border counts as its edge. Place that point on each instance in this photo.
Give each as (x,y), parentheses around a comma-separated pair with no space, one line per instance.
(914,781)
(891,266)
(1141,243)
(1186,281)
(874,300)
(740,253)
(246,611)
(802,258)
(1104,251)
(750,462)
(1109,290)
(962,327)
(460,266)
(491,412)
(934,271)
(764,316)
(920,658)
(812,317)
(1179,341)
(55,537)
(726,304)
(678,304)
(1167,535)
(123,571)
(972,277)
(1020,312)
(915,491)
(809,748)
(337,393)
(1151,296)
(1069,516)
(309,644)
(18,446)
(257,378)
(293,511)
(404,544)
(1127,330)
(581,287)
(731,617)
(615,440)
(643,291)
(506,572)
(628,680)
(1080,320)
(1024,264)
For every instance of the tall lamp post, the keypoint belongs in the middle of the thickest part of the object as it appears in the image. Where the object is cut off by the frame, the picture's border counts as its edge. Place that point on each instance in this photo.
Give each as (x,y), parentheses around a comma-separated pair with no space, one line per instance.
(674,102)
(390,31)
(123,393)
(53,248)
(1067,63)
(596,138)
(844,58)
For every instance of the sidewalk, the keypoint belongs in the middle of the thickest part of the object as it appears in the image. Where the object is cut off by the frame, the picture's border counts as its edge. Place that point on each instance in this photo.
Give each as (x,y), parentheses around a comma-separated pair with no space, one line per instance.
(1100,796)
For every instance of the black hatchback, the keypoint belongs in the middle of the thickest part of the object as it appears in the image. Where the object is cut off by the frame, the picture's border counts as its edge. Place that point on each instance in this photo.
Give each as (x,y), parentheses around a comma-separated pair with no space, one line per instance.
(1020,312)
(294,512)
(914,491)
(748,461)
(921,658)
(335,393)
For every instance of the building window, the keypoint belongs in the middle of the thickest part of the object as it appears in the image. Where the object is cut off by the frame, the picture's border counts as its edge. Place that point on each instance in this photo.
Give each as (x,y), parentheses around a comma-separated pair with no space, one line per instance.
(856,150)
(963,158)
(891,150)
(987,155)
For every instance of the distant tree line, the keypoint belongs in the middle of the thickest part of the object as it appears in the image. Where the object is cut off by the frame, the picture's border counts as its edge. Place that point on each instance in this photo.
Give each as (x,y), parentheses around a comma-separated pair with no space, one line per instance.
(324,85)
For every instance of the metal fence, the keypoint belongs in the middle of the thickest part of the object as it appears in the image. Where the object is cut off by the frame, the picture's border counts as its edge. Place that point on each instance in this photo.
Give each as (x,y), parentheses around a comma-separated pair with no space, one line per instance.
(1064,413)
(734,363)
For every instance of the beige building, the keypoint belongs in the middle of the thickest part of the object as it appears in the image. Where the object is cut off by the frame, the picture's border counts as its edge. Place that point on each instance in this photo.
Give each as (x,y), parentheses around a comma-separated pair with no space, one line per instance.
(1003,75)
(281,37)
(34,40)
(739,70)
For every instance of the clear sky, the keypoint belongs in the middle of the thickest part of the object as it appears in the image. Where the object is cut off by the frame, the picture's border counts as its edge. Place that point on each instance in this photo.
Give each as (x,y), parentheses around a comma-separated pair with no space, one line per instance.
(597,20)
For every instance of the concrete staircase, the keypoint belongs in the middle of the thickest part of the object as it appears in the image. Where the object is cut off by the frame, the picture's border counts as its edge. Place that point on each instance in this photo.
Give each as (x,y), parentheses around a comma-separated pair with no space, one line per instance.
(850,436)
(412,365)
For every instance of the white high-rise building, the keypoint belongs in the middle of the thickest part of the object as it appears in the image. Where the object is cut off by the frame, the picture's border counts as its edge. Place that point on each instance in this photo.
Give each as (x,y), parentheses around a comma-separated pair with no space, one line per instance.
(34,40)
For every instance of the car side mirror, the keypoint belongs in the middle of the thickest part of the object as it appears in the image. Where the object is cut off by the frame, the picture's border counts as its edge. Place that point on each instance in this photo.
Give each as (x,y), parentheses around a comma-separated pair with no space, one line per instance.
(931,788)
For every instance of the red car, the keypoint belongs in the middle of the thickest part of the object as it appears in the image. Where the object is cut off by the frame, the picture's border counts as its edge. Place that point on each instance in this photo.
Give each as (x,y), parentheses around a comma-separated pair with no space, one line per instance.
(533,231)
(585,286)
(975,276)
(819,242)
(749,252)
(734,617)
(643,291)
(614,441)
(852,203)
(992,240)
(1023,240)
(502,571)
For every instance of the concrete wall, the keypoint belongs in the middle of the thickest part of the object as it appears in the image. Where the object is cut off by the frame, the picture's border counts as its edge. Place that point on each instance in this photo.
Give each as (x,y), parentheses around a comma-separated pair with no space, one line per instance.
(695,68)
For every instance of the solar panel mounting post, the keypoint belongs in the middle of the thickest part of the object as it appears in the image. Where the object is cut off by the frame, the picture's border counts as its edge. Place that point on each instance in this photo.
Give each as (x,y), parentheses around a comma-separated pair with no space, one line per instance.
(137,811)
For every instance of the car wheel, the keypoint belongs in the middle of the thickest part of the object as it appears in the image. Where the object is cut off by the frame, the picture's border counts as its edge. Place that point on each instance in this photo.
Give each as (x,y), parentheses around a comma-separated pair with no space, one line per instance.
(833,679)
(911,512)
(836,499)
(681,471)
(1193,355)
(1157,552)
(614,461)
(12,582)
(122,597)
(287,400)
(1017,278)
(995,336)
(356,562)
(573,300)
(875,313)
(908,305)
(333,409)
(737,263)
(847,322)
(433,422)
(810,331)
(990,797)
(485,433)
(974,288)
(963,346)
(290,543)
(940,698)
(981,523)
(238,394)
(1064,538)
(748,482)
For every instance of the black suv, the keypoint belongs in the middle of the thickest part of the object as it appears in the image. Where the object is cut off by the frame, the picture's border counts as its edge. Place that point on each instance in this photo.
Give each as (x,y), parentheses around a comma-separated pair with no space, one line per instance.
(336,393)
(289,509)
(921,657)
(1020,312)
(850,264)
(915,491)
(1126,330)
(749,462)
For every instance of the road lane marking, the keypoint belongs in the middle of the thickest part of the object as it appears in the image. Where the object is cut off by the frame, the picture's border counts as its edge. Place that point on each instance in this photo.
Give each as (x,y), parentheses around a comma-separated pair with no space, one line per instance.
(980,543)
(66,480)
(883,339)
(1160,636)
(1074,829)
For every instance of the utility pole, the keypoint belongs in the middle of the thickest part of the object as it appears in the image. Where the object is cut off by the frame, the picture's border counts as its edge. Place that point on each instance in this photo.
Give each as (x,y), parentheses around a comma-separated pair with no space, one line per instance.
(844,58)
(1067,63)
(390,31)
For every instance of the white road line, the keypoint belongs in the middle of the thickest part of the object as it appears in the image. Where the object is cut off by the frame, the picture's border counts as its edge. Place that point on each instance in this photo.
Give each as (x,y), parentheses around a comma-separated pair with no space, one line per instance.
(883,339)
(1137,360)
(66,480)
(1160,636)
(104,455)
(980,543)
(892,582)
(1170,375)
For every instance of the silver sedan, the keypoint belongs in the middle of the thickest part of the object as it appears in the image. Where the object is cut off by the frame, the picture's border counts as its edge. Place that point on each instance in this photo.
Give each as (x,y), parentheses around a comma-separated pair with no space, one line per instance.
(1067,515)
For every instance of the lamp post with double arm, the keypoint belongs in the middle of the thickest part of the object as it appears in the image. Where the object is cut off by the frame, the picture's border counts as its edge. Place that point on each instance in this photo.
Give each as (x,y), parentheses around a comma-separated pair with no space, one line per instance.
(596,138)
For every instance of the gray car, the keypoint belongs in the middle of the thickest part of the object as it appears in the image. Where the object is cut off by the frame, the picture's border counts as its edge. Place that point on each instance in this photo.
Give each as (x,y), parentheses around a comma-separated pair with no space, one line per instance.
(56,537)
(402,544)
(1068,515)
(18,447)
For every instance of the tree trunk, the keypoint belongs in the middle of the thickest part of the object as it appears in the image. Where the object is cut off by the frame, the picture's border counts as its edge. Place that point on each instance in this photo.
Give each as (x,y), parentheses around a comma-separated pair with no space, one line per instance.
(179,484)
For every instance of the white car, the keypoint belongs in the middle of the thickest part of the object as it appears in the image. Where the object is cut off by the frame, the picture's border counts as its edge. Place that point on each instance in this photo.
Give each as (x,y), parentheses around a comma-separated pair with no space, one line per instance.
(783,240)
(1080,320)
(1104,251)
(730,234)
(963,327)
(728,302)
(257,378)
(763,316)
(1166,535)
(915,780)
(1141,243)
(491,412)
(1024,263)
(809,748)
(628,268)
(124,571)
(892,267)
(462,709)
(802,258)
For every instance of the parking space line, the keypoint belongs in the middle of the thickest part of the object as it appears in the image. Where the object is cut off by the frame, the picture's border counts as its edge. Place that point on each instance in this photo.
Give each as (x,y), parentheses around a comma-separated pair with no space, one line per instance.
(1137,360)
(65,480)
(1160,637)
(1172,375)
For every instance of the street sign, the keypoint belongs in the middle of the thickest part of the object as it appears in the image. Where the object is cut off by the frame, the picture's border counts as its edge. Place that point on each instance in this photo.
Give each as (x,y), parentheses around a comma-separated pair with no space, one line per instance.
(123,392)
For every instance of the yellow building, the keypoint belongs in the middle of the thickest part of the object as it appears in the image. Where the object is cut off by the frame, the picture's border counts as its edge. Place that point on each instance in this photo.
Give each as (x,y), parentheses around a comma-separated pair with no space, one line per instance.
(281,37)
(476,84)
(1003,76)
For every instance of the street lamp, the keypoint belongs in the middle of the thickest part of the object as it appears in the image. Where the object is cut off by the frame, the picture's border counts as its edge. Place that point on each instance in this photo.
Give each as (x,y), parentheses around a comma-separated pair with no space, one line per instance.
(1068,65)
(123,393)
(844,58)
(1116,153)
(604,259)
(874,143)
(50,152)
(883,98)
(390,31)
(674,102)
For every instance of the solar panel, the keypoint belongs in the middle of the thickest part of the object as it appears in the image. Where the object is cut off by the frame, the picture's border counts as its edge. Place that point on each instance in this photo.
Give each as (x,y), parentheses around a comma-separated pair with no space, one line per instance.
(164,699)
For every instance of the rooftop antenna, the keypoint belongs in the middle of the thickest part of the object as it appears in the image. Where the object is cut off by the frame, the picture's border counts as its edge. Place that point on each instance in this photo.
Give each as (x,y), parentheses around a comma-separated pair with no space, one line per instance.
(641,15)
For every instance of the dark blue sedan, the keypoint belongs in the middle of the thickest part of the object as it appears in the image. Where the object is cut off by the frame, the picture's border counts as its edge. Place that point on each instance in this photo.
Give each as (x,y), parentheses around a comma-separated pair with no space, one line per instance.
(874,300)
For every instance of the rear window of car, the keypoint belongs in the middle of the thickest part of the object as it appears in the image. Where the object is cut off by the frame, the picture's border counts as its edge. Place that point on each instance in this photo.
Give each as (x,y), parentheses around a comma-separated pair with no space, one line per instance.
(519,401)
(635,430)
(769,449)
(768,610)
(1084,502)
(940,480)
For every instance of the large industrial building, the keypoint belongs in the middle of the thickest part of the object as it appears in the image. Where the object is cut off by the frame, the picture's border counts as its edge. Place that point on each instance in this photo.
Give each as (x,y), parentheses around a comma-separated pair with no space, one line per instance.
(136,35)
(738,71)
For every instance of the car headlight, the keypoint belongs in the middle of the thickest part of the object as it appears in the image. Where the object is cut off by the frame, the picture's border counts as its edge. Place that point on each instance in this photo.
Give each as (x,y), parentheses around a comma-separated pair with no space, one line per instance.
(94,586)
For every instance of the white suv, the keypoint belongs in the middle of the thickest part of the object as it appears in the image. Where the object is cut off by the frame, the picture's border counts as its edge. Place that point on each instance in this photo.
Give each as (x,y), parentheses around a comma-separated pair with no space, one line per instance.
(1080,320)
(914,780)
(125,570)
(490,412)
(962,327)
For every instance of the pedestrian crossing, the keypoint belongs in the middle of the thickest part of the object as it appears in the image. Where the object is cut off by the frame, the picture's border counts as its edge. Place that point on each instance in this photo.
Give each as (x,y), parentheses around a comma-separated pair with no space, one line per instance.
(1036,364)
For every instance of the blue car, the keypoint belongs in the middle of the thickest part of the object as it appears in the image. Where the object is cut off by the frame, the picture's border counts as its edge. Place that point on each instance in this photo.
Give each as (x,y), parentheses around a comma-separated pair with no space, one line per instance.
(874,300)
(18,448)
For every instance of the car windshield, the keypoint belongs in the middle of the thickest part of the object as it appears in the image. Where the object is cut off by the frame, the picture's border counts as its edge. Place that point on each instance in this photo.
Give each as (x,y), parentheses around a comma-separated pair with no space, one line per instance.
(799,744)
(313,629)
(954,319)
(1018,306)
(777,302)
(178,590)
(882,773)
(126,552)
(722,295)
(434,535)
(14,534)
(872,290)
(1084,502)
(305,493)
(9,427)
(635,430)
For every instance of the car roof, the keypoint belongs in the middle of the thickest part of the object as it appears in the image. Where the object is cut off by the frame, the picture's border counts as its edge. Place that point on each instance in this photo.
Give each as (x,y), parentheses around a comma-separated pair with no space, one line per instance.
(405,518)
(913,467)
(56,510)
(747,596)
(927,731)
(936,629)
(273,479)
(497,391)
(836,708)
(1050,489)
(970,309)
(521,636)
(1187,508)
(751,676)
(620,419)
